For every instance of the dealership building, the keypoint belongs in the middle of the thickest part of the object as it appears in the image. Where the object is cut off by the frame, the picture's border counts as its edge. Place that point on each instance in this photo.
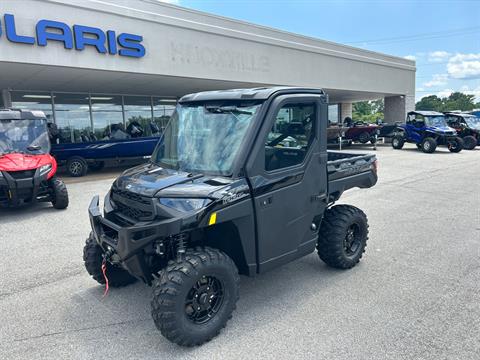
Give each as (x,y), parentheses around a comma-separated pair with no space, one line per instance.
(89,63)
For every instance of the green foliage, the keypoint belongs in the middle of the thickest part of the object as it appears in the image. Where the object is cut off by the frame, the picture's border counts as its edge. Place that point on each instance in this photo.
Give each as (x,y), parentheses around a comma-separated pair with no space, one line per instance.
(368,111)
(456,101)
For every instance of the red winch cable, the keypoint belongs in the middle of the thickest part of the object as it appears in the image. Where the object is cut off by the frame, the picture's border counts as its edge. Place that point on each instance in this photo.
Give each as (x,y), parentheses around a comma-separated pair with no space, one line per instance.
(104,272)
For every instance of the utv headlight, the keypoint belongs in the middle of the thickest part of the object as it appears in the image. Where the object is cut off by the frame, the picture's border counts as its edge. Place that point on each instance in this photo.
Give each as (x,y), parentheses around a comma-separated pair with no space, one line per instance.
(185,205)
(45,169)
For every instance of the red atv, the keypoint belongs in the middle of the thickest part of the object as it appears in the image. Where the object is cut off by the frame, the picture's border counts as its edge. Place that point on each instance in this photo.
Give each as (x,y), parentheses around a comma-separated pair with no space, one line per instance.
(27,170)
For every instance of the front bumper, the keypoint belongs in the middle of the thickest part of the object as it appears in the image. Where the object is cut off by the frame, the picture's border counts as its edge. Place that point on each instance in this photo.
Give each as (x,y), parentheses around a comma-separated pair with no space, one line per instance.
(22,186)
(130,242)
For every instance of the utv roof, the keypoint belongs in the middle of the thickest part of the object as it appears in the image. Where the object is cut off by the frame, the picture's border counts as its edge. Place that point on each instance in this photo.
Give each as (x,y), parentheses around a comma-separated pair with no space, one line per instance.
(18,114)
(261,93)
(458,113)
(426,113)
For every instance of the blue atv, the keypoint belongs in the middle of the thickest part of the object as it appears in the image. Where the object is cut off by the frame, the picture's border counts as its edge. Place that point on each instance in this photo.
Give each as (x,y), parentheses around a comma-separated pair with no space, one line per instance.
(427,129)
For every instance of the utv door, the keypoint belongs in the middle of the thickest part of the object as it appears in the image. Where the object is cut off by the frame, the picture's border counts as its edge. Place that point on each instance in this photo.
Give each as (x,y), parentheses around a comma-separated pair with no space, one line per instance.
(290,188)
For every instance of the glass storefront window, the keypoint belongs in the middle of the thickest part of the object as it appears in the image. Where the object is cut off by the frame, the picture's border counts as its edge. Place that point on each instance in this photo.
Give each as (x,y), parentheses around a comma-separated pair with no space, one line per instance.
(72,116)
(91,117)
(107,117)
(333,114)
(32,100)
(138,116)
(162,111)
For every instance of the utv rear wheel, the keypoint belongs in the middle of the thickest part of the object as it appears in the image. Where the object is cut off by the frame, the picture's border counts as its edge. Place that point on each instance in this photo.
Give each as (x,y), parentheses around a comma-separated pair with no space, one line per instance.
(59,194)
(455,145)
(429,145)
(397,142)
(93,258)
(77,166)
(343,236)
(193,299)
(469,142)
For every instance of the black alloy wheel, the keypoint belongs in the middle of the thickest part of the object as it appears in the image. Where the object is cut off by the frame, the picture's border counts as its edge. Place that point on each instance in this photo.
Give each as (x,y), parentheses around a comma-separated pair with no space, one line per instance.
(204,300)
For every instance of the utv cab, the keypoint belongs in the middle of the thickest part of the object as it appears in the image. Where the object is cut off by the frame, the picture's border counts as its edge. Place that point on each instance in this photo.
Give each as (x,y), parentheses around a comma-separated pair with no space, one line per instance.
(427,129)
(467,127)
(27,170)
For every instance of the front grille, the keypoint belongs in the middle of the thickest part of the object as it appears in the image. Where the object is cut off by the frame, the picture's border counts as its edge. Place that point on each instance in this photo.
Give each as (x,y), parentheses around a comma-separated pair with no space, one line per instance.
(132,196)
(133,205)
(26,174)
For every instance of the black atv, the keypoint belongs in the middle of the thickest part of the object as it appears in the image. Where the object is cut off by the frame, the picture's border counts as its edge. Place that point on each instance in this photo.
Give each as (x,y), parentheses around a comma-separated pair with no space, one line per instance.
(240,183)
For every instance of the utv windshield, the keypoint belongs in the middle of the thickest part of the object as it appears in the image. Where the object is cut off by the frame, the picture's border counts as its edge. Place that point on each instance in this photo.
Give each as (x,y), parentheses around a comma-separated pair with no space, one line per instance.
(205,137)
(473,122)
(437,121)
(24,136)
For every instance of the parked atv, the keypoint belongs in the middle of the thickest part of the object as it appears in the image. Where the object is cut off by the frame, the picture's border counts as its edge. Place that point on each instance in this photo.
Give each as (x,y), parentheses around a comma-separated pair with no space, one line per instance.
(27,170)
(427,129)
(467,127)
(226,193)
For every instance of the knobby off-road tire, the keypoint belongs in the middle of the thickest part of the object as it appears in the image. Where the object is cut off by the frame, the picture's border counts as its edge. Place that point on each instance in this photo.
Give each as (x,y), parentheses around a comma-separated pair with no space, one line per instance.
(429,145)
(59,194)
(456,145)
(343,236)
(469,142)
(397,142)
(93,257)
(193,299)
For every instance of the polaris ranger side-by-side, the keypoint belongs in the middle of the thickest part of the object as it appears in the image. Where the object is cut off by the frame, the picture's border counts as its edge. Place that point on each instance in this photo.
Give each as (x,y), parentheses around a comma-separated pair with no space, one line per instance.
(27,170)
(240,182)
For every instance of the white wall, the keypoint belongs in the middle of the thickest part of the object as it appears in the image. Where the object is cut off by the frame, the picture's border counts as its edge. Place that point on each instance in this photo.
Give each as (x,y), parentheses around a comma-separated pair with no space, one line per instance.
(190,44)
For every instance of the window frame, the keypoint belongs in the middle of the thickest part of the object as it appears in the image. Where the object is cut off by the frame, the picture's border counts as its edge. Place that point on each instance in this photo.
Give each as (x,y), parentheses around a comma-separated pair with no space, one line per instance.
(305,100)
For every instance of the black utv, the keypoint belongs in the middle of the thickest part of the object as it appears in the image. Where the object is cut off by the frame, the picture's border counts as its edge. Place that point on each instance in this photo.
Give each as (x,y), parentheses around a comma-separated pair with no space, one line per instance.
(467,127)
(240,182)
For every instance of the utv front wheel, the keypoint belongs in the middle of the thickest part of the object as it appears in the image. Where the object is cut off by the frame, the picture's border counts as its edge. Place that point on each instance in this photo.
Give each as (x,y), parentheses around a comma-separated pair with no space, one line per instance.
(93,258)
(455,145)
(429,145)
(343,236)
(469,142)
(397,142)
(59,194)
(193,299)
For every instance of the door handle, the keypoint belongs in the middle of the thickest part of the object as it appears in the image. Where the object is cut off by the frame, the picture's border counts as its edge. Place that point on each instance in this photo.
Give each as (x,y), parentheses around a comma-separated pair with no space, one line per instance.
(266,202)
(318,197)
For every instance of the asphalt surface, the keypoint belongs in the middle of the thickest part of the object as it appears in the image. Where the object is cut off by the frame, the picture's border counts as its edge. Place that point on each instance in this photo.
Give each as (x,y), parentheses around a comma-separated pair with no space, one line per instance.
(415,294)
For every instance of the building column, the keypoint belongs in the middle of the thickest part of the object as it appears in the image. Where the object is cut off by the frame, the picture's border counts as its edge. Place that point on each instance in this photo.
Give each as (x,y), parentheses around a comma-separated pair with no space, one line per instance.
(345,111)
(6,99)
(397,107)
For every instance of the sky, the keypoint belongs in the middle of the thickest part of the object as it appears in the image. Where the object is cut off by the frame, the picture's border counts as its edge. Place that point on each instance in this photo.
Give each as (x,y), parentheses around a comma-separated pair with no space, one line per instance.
(442,36)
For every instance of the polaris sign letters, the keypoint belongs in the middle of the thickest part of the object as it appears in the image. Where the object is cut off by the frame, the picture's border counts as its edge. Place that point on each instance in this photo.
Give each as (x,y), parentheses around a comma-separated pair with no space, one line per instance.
(78,37)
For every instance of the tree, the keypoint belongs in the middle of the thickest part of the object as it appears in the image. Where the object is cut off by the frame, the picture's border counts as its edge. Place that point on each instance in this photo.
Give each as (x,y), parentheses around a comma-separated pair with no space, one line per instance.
(459,101)
(456,101)
(368,111)
(429,103)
